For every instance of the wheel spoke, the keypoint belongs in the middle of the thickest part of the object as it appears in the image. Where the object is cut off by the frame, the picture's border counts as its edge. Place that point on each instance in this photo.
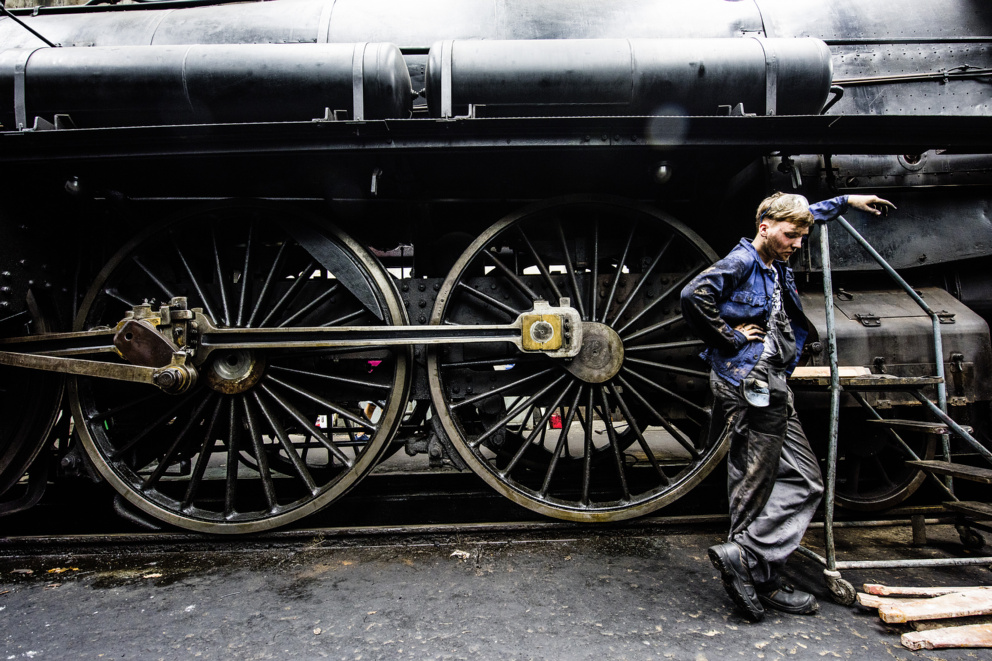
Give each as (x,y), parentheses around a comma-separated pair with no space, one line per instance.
(245,278)
(661,325)
(221,284)
(612,435)
(881,471)
(259,447)
(594,275)
(539,428)
(287,445)
(344,319)
(202,458)
(109,413)
(269,279)
(154,278)
(511,276)
(619,273)
(306,394)
(661,297)
(116,295)
(309,426)
(644,278)
(301,278)
(514,411)
(330,378)
(668,368)
(540,265)
(669,427)
(149,428)
(637,432)
(201,292)
(665,346)
(570,268)
(233,450)
(503,388)
(562,442)
(513,313)
(662,389)
(587,448)
(166,460)
(309,307)
(515,360)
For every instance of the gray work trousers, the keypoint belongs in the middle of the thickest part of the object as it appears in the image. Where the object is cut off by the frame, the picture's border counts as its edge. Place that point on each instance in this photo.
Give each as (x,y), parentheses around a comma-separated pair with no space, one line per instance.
(774,480)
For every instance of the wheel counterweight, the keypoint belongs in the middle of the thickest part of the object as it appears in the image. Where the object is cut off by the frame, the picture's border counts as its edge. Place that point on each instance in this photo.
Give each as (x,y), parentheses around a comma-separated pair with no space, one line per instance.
(620,429)
(267,436)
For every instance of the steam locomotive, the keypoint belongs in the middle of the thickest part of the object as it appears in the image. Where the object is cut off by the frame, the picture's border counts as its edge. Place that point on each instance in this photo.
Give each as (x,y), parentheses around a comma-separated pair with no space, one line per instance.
(249,250)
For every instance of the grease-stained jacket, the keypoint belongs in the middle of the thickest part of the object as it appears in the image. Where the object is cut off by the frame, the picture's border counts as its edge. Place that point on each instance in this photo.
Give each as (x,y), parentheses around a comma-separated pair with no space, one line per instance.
(738,290)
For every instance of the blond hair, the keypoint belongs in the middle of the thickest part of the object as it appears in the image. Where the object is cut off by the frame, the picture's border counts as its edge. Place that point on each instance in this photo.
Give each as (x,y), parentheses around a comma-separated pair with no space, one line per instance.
(785,207)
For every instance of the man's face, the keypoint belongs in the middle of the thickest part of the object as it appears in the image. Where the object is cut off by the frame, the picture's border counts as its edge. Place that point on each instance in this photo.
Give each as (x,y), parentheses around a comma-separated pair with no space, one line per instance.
(782,238)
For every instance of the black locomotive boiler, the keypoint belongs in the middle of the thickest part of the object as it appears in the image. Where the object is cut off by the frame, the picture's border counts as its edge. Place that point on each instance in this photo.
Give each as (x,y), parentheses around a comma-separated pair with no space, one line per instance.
(251,249)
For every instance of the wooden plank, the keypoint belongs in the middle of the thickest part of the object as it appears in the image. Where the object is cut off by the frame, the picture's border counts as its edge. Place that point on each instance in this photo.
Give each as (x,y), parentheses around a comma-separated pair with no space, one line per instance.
(973,635)
(973,473)
(886,590)
(918,426)
(981,511)
(810,371)
(956,604)
(927,625)
(875,601)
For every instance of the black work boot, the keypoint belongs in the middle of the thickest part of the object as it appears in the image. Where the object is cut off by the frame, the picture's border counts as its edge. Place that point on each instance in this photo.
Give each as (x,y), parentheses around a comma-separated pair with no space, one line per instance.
(783,597)
(729,559)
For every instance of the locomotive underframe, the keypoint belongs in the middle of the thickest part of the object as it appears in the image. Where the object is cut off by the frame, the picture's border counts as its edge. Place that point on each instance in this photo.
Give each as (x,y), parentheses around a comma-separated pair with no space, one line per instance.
(426,207)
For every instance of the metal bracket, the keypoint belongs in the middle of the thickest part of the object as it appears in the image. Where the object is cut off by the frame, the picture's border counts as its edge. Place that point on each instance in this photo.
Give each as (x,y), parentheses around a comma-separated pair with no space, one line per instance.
(20,105)
(358,82)
(868,320)
(771,75)
(446,103)
(945,317)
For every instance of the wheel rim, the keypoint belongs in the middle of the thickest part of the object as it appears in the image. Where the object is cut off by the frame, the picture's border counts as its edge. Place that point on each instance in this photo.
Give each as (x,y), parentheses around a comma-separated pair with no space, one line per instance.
(495,403)
(242,451)
(29,407)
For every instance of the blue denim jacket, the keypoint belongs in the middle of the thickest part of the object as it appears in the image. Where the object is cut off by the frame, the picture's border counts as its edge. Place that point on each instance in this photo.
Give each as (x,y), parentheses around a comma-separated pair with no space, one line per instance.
(738,290)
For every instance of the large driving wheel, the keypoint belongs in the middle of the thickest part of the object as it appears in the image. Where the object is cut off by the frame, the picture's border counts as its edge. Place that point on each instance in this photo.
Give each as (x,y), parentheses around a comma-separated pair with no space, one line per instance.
(872,473)
(29,404)
(266,436)
(617,431)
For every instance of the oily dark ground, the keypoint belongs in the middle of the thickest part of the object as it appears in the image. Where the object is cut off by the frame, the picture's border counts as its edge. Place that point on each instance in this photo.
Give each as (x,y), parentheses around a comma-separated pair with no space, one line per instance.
(637,593)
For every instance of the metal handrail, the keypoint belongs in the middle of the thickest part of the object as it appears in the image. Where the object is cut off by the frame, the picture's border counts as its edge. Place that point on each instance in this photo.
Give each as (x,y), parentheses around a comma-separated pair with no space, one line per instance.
(835,389)
(938,344)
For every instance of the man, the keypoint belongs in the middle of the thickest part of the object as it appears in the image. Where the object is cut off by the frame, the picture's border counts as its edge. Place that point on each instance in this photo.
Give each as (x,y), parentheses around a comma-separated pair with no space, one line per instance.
(747,310)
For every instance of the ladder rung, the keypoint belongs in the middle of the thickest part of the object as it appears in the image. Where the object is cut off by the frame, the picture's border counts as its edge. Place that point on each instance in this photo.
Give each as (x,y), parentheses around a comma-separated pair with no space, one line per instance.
(965,472)
(919,426)
(974,509)
(877,382)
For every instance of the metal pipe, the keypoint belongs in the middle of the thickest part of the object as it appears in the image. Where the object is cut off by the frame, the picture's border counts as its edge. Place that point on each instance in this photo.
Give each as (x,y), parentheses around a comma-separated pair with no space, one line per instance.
(831,487)
(938,342)
(958,429)
(24,25)
(919,562)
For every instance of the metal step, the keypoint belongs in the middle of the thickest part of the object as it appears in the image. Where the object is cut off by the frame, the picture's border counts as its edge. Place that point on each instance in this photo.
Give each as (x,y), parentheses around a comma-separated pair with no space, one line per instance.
(965,472)
(974,509)
(918,426)
(862,382)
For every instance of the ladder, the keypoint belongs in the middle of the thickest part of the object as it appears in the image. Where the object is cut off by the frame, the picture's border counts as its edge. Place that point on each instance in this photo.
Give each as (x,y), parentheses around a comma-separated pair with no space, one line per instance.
(970,513)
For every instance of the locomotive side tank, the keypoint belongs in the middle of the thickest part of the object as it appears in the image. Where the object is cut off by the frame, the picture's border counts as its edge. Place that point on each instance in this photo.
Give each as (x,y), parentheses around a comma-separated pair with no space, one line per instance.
(260,246)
